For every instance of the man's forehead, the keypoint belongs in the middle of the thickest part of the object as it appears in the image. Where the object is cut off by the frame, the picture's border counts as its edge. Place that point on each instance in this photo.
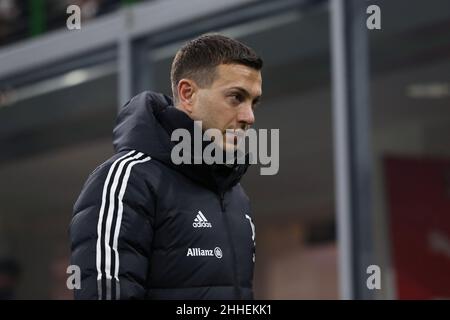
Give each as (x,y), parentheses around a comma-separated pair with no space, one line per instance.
(238,75)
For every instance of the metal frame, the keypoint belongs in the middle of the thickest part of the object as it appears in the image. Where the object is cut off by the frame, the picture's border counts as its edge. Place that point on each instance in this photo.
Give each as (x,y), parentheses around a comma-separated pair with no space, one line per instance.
(106,31)
(123,34)
(352,145)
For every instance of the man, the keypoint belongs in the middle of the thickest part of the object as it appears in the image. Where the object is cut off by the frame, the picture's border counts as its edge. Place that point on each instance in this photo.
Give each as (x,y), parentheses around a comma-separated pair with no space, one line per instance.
(144,227)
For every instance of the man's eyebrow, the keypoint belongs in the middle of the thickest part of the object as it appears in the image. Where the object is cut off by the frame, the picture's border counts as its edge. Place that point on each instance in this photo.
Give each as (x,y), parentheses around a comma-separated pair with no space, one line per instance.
(246,93)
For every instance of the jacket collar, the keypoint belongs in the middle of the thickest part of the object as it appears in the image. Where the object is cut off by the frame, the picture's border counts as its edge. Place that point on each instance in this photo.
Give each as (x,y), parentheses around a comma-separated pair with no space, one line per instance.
(218,177)
(146,123)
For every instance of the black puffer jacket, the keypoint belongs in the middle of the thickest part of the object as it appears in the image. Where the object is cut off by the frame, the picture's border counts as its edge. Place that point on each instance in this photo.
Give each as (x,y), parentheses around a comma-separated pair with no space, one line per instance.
(146,228)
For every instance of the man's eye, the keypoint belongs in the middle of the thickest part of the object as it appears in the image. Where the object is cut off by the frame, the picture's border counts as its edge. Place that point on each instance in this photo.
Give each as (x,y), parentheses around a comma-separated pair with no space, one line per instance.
(236,97)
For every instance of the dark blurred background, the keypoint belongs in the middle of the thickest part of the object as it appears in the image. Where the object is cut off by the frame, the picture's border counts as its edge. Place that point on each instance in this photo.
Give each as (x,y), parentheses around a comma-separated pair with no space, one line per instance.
(317,227)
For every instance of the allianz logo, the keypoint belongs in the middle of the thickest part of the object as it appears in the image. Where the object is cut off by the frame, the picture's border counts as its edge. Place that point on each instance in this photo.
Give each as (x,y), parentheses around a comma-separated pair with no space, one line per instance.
(198,252)
(200,221)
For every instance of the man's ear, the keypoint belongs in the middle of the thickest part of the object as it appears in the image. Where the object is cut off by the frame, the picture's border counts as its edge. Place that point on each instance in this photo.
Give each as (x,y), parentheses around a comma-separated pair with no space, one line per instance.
(186,94)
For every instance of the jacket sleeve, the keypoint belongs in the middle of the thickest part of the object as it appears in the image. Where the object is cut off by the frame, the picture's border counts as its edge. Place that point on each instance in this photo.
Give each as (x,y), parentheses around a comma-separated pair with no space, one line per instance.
(111,230)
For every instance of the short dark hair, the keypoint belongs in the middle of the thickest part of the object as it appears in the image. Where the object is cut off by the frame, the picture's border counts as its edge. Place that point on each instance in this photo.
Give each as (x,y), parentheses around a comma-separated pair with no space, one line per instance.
(198,58)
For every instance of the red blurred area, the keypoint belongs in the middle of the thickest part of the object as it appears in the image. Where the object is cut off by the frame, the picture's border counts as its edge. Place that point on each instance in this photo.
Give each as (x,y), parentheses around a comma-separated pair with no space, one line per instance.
(419,206)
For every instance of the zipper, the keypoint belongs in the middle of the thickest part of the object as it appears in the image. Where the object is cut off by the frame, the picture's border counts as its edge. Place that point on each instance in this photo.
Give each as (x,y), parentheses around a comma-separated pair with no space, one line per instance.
(237,288)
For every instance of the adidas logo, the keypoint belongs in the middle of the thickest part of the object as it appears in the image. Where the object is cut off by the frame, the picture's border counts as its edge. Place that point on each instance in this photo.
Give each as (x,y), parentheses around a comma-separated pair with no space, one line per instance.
(200,221)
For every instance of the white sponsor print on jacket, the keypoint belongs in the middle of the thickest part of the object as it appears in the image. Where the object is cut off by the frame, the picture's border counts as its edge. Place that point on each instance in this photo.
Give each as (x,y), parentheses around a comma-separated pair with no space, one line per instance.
(198,252)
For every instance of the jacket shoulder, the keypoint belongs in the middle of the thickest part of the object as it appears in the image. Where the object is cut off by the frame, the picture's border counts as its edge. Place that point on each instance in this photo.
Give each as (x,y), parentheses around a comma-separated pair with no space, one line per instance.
(124,170)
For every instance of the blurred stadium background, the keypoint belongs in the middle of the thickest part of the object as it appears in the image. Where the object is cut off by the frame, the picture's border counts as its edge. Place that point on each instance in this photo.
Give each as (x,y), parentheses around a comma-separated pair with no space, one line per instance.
(364,119)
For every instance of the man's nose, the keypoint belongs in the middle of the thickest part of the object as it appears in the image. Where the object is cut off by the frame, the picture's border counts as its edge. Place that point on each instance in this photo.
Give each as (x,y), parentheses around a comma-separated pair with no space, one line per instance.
(246,115)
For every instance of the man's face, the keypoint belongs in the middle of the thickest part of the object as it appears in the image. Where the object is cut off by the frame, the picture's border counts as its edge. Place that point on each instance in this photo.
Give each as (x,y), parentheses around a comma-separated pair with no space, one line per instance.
(229,102)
